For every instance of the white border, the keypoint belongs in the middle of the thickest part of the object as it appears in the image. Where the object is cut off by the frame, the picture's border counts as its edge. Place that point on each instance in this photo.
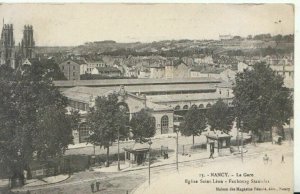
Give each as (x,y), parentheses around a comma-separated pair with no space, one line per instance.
(297,58)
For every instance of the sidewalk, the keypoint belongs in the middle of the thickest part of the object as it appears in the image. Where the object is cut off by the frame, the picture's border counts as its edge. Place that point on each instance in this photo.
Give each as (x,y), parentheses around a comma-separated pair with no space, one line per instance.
(46,180)
(249,149)
(160,162)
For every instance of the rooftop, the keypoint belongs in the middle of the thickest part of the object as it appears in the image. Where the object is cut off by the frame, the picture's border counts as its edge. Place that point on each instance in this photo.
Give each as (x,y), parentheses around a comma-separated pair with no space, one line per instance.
(128,82)
(108,69)
(217,135)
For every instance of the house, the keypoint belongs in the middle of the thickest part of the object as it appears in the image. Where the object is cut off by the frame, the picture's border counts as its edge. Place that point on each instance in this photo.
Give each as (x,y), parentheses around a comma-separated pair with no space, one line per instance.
(144,73)
(71,69)
(204,59)
(287,72)
(106,71)
(89,65)
(157,71)
(176,70)
(204,72)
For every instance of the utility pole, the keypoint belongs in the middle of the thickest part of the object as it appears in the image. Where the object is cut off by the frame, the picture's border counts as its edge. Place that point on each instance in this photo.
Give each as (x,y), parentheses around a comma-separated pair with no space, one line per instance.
(119,150)
(237,133)
(242,143)
(149,159)
(177,149)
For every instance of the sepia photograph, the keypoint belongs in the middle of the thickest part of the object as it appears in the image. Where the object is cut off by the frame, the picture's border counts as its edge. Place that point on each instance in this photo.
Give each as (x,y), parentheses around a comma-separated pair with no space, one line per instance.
(147,98)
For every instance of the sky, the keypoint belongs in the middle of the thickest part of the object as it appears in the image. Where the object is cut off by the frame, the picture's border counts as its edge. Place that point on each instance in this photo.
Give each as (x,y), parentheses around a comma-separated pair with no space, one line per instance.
(75,24)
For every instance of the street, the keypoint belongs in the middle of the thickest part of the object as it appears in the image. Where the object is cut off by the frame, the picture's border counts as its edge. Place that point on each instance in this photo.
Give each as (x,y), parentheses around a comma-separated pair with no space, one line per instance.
(121,182)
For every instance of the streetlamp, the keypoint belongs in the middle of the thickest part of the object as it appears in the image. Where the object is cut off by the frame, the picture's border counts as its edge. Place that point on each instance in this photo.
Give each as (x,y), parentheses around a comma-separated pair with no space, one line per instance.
(150,142)
(119,149)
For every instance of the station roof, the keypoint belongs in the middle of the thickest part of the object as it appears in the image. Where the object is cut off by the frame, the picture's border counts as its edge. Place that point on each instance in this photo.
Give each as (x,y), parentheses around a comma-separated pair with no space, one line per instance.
(99,91)
(186,97)
(127,82)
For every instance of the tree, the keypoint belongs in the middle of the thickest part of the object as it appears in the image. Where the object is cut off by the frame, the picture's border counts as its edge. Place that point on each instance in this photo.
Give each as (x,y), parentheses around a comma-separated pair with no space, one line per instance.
(53,70)
(143,126)
(105,120)
(74,117)
(33,117)
(261,100)
(220,117)
(194,123)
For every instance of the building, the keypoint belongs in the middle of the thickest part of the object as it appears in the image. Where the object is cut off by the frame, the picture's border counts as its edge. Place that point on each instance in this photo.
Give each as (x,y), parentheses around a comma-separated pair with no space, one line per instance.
(27,44)
(71,69)
(218,143)
(129,71)
(208,73)
(157,71)
(176,70)
(7,46)
(89,65)
(287,72)
(204,60)
(106,71)
(144,73)
(166,98)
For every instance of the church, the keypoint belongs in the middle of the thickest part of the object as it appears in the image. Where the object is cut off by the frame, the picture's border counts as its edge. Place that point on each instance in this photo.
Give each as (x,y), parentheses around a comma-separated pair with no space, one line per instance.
(13,55)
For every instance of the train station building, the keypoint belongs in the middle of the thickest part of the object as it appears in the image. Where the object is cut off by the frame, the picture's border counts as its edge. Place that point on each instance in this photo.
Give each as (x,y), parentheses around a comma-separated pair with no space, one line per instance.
(168,99)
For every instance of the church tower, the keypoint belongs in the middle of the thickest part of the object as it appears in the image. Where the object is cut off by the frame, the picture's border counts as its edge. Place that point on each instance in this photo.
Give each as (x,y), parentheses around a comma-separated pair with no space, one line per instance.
(7,45)
(27,44)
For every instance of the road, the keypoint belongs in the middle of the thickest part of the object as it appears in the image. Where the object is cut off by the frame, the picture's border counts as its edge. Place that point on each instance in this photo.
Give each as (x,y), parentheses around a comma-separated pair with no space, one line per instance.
(123,182)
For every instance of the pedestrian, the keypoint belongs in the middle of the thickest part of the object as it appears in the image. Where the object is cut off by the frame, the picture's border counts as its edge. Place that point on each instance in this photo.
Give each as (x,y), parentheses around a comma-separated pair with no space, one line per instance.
(92,187)
(266,159)
(282,159)
(211,155)
(97,185)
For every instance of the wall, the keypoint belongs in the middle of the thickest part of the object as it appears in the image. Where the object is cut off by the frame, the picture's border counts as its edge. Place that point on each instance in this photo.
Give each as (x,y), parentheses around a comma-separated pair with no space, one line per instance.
(70,69)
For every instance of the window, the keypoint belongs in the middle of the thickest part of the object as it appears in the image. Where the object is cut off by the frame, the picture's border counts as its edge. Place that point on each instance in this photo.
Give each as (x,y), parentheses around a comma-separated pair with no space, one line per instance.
(177,107)
(193,106)
(164,124)
(73,67)
(185,107)
(63,67)
(83,133)
(201,106)
(73,73)
(208,105)
(68,62)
